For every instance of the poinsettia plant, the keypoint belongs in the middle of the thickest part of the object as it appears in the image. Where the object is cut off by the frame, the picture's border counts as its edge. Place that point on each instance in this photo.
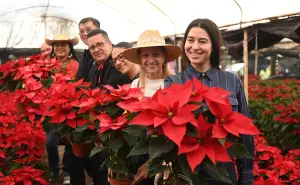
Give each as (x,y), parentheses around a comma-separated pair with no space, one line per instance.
(193,129)
(21,132)
(117,136)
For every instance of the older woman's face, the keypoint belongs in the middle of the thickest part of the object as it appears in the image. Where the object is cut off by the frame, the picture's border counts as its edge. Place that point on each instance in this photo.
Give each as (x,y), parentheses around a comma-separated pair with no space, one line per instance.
(61,49)
(152,59)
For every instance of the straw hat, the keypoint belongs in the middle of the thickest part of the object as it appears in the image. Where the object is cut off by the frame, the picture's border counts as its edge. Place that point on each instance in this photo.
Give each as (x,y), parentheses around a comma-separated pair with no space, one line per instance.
(151,38)
(62,38)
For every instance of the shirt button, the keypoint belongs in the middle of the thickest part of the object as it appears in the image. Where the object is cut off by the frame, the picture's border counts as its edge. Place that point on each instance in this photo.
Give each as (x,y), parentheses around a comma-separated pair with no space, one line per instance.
(203,74)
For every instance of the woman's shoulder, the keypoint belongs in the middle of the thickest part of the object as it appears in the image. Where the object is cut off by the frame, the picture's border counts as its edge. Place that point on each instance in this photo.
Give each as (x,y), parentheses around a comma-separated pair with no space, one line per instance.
(135,83)
(175,78)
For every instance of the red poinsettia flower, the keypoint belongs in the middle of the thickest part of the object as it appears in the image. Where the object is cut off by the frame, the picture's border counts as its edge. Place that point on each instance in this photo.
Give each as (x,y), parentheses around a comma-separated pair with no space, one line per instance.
(170,112)
(133,104)
(32,84)
(201,92)
(124,92)
(107,123)
(228,121)
(196,148)
(28,175)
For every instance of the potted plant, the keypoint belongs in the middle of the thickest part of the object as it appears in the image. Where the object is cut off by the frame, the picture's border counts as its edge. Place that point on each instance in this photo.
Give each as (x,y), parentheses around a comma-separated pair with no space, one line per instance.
(117,137)
(191,131)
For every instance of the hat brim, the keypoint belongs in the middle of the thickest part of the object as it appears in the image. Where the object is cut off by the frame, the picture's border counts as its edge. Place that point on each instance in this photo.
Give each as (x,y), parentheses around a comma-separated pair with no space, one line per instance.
(73,41)
(172,53)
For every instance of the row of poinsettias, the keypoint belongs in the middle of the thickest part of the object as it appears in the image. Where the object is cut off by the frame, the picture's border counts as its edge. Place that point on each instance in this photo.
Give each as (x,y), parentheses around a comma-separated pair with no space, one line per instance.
(276,107)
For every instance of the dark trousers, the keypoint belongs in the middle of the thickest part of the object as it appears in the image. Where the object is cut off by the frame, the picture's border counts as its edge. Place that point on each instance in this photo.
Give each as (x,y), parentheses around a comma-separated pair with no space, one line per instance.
(92,165)
(52,142)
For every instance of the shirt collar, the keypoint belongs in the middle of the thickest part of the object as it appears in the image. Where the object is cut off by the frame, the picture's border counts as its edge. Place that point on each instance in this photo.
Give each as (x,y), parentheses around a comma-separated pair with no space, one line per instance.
(211,73)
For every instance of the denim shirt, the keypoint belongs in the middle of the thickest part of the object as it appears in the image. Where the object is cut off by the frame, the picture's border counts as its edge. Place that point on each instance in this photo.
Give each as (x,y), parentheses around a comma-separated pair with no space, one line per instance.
(231,82)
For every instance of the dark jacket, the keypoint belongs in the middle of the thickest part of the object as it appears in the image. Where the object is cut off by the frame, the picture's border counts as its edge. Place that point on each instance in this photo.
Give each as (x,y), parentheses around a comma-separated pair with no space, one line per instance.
(108,75)
(230,82)
(85,64)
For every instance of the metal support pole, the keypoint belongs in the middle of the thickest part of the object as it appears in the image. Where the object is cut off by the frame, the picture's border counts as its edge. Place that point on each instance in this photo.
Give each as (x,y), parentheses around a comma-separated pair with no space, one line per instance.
(246,63)
(256,52)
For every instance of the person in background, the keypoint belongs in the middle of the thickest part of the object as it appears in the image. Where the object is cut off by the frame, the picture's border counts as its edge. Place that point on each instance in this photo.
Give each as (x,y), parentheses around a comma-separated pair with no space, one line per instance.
(152,54)
(62,50)
(202,51)
(85,26)
(100,73)
(46,51)
(11,57)
(130,69)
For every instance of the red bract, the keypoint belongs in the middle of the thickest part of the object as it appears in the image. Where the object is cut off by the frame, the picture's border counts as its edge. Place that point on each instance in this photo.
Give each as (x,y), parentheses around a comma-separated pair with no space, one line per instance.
(32,84)
(26,175)
(201,92)
(124,92)
(196,148)
(168,111)
(107,123)
(228,121)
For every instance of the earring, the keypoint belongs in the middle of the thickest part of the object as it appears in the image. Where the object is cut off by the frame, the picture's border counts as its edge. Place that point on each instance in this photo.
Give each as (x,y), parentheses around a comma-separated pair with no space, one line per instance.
(70,55)
(53,55)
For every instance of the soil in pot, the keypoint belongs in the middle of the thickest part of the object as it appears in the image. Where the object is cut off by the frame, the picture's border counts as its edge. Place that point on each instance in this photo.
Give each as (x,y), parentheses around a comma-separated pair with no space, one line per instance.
(122,179)
(176,180)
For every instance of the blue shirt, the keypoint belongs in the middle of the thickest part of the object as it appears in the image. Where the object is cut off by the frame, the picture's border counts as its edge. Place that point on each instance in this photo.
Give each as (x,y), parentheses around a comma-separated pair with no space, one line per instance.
(231,82)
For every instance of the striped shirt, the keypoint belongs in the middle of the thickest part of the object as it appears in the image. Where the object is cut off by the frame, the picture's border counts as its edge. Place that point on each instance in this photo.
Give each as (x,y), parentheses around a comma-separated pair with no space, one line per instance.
(231,82)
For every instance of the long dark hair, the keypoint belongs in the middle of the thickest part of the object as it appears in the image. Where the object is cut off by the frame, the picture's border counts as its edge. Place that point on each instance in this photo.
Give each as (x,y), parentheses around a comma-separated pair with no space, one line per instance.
(215,36)
(72,51)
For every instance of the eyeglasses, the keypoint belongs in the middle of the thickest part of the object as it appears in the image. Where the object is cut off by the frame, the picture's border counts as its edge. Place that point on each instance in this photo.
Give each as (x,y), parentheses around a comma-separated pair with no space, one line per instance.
(119,57)
(98,45)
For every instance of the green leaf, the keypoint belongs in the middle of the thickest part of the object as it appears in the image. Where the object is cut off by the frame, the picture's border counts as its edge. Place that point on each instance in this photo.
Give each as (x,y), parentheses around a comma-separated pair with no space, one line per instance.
(19,83)
(115,144)
(140,148)
(159,146)
(132,115)
(222,141)
(155,166)
(191,131)
(135,130)
(185,167)
(104,136)
(82,128)
(131,139)
(96,150)
(217,173)
(239,151)
(47,82)
(284,127)
(111,110)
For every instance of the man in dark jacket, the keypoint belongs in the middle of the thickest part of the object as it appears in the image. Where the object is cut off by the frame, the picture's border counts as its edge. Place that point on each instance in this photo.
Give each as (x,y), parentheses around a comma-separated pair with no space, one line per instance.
(85,26)
(100,73)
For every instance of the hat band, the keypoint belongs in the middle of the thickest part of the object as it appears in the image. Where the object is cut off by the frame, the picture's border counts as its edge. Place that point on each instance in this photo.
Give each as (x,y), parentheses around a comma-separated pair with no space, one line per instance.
(147,40)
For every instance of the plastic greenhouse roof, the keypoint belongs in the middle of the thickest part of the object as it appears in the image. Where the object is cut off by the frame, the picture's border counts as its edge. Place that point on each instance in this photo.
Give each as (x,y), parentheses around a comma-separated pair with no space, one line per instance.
(26,23)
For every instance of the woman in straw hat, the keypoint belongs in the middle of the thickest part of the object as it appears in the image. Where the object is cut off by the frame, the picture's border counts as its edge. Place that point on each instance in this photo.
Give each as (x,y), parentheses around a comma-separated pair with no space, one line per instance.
(152,54)
(62,49)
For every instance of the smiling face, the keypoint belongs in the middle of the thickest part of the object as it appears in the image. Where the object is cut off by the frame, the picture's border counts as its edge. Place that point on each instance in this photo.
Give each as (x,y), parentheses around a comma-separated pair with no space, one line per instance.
(152,59)
(99,47)
(84,29)
(198,47)
(61,49)
(120,63)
